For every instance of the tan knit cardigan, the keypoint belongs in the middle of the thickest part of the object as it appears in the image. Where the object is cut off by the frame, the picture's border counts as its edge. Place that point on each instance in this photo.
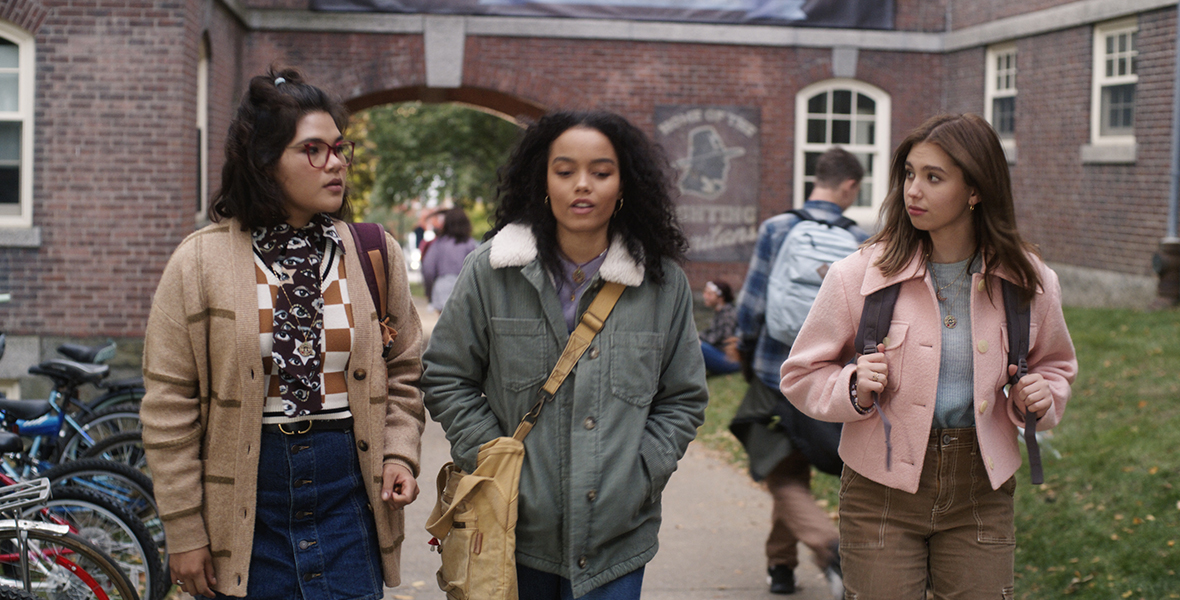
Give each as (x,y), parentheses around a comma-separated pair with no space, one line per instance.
(202,414)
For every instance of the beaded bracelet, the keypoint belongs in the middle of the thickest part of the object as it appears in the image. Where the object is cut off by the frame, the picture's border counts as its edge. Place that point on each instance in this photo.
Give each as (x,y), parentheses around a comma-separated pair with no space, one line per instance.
(852,394)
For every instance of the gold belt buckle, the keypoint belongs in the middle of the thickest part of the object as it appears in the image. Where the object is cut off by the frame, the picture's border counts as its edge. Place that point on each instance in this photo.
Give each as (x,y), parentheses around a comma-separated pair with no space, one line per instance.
(307,429)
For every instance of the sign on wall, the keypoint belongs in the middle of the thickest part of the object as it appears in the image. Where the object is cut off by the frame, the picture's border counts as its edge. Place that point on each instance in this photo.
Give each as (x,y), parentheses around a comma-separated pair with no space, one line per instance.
(858,14)
(716,152)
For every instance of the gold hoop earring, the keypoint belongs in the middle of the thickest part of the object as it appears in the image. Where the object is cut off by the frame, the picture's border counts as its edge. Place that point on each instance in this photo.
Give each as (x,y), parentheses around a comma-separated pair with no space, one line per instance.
(546,199)
(618,206)
(972,207)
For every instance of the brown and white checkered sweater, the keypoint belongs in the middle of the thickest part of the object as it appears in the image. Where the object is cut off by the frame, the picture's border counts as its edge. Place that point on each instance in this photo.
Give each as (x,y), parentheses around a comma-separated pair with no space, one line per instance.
(205,379)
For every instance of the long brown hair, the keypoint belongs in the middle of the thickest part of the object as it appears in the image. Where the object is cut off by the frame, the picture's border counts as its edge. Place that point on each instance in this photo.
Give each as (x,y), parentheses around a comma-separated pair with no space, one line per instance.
(974,147)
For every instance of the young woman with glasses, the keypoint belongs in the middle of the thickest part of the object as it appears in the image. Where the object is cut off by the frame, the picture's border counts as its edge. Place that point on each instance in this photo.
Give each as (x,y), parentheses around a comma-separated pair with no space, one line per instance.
(282,443)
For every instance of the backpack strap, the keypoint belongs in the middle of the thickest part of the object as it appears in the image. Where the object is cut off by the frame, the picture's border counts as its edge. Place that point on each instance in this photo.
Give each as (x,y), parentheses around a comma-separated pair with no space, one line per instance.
(874,326)
(841,221)
(1019,322)
(373,256)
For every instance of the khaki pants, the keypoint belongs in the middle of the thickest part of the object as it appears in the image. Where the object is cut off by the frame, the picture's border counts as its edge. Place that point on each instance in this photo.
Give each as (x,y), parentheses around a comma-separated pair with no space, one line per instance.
(795,516)
(956,535)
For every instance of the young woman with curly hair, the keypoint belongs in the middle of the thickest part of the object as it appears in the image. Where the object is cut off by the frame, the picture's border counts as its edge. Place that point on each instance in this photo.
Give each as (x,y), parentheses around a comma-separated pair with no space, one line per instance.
(283,441)
(939,515)
(584,199)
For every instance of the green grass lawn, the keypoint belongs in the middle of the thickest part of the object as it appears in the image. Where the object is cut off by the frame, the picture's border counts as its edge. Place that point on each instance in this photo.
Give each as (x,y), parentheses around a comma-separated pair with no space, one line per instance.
(1107,520)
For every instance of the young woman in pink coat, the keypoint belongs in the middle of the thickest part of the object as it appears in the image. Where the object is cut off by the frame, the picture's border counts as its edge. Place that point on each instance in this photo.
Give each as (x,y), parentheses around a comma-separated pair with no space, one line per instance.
(939,515)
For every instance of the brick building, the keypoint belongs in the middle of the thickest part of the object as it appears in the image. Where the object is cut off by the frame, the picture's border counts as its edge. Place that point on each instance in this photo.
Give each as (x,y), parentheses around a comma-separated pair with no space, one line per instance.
(112,115)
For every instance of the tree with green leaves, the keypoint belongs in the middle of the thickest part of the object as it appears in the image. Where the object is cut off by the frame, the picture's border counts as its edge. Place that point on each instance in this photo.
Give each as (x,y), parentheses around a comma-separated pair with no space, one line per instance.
(413,150)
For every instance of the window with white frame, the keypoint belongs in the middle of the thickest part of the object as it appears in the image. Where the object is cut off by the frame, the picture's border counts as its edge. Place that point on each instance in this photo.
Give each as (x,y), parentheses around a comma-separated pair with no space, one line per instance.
(202,129)
(855,116)
(1116,60)
(16,126)
(1000,91)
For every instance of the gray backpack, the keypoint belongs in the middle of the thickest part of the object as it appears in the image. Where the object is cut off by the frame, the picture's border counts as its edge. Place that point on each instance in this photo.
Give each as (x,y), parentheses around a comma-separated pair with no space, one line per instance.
(799,268)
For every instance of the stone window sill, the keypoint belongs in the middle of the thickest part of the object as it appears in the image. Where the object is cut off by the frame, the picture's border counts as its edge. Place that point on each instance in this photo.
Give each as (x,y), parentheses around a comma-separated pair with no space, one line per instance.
(20,237)
(1109,154)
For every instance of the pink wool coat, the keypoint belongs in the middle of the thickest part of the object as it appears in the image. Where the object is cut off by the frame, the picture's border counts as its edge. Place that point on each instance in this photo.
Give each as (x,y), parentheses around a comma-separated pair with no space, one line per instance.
(816,375)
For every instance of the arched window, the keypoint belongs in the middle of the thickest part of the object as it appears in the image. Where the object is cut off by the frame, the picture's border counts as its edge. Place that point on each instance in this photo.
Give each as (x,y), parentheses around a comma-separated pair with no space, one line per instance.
(16,126)
(855,116)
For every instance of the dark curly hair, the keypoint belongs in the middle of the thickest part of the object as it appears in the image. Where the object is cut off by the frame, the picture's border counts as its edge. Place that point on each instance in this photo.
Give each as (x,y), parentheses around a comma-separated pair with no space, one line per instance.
(258,136)
(647,220)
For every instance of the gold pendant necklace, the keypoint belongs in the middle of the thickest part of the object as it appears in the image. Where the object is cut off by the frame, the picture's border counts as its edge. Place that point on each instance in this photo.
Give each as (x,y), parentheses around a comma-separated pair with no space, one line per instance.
(949,321)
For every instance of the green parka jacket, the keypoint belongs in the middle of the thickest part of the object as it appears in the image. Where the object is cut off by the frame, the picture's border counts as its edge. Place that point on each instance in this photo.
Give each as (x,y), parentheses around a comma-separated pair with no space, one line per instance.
(604,448)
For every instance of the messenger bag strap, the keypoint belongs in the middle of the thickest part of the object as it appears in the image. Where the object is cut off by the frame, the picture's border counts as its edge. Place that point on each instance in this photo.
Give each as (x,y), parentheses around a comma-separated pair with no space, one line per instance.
(591,323)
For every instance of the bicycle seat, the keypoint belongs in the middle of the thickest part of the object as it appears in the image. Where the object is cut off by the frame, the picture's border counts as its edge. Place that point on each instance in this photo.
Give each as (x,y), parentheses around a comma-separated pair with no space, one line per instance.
(60,368)
(24,409)
(88,354)
(11,442)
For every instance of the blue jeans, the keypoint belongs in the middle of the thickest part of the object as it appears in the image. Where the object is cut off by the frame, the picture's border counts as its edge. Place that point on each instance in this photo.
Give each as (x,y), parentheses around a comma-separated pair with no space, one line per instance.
(715,361)
(314,533)
(539,585)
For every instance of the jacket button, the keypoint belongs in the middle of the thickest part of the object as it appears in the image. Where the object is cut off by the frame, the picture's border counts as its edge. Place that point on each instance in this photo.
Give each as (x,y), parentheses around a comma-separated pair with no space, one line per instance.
(303,514)
(594,352)
(359,374)
(302,482)
(589,423)
(983,346)
(983,407)
(304,544)
(363,445)
(582,562)
(310,576)
(947,439)
(592,495)
(981,285)
(885,341)
(991,464)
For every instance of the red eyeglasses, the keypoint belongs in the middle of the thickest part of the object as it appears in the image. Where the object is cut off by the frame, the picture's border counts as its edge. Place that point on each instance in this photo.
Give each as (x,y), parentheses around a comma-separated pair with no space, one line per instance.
(317,152)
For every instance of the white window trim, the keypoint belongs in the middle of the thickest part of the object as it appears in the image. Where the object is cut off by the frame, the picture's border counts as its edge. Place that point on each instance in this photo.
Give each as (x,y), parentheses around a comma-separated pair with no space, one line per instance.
(865,215)
(1099,79)
(203,128)
(990,92)
(25,97)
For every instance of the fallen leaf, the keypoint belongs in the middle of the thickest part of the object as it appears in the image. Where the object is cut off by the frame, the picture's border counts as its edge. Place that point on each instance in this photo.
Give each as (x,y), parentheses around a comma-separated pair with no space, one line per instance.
(1153,470)
(1136,521)
(1143,404)
(419,584)
(1118,517)
(1127,594)
(1150,517)
(1114,536)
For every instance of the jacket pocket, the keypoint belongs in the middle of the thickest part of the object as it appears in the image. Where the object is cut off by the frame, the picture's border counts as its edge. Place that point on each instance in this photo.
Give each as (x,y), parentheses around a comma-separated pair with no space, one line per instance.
(521,348)
(895,353)
(635,365)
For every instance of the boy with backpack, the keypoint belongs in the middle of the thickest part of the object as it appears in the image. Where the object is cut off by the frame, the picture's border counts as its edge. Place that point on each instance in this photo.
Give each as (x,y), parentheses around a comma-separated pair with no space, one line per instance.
(773,433)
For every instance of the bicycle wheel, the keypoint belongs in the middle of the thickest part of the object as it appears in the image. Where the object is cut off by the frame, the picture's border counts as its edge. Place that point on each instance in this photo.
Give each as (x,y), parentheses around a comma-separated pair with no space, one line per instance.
(128,397)
(111,528)
(125,447)
(61,566)
(95,428)
(132,489)
(12,593)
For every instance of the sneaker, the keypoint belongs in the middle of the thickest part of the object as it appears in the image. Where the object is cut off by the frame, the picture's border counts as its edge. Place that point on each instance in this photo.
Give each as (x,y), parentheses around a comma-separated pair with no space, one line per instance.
(781,579)
(835,575)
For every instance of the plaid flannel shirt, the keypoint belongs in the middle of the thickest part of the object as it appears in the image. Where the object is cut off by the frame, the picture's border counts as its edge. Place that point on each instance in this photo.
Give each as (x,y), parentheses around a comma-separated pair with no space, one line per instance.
(769,353)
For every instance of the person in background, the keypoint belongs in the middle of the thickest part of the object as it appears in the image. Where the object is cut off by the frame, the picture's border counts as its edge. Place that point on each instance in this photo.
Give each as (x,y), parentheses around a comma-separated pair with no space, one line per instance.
(585,199)
(795,516)
(441,266)
(719,336)
(283,444)
(939,515)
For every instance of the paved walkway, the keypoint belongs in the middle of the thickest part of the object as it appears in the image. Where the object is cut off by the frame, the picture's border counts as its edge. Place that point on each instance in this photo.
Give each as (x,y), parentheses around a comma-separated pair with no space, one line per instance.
(711,542)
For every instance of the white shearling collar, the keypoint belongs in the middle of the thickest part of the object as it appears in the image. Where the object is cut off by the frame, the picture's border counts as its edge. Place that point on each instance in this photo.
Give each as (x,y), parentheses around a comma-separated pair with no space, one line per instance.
(515,246)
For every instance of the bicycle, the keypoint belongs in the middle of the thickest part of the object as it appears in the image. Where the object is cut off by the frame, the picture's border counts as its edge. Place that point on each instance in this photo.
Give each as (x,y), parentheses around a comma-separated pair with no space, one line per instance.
(46,559)
(102,519)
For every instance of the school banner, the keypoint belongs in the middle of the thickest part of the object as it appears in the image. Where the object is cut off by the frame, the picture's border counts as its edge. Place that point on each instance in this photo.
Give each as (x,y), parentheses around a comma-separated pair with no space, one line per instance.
(856,14)
(716,151)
